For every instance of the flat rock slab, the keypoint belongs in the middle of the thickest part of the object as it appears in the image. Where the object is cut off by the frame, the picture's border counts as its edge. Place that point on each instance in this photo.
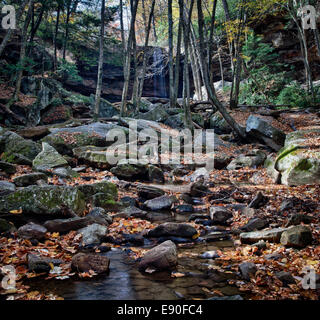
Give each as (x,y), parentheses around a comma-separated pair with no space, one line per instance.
(182,230)
(272,235)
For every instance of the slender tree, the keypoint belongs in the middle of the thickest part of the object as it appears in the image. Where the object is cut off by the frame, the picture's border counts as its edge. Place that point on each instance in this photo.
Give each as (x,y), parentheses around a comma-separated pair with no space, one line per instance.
(10,32)
(100,66)
(127,64)
(240,131)
(23,52)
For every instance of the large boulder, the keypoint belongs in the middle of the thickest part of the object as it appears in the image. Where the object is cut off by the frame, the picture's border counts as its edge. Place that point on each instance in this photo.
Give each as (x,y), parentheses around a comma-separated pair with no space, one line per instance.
(272,235)
(104,187)
(7,168)
(219,124)
(264,131)
(84,262)
(160,203)
(130,171)
(64,140)
(157,113)
(6,188)
(13,146)
(29,179)
(220,215)
(48,200)
(252,160)
(297,237)
(49,158)
(161,257)
(32,231)
(297,163)
(167,229)
(72,224)
(93,234)
(148,192)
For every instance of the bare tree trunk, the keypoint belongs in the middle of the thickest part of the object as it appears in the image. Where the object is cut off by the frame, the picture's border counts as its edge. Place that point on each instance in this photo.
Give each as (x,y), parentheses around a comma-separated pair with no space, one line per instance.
(66,36)
(23,52)
(177,67)
(210,88)
(100,67)
(10,32)
(35,26)
(195,72)
(56,37)
(230,43)
(171,78)
(317,39)
(234,94)
(186,92)
(134,7)
(144,67)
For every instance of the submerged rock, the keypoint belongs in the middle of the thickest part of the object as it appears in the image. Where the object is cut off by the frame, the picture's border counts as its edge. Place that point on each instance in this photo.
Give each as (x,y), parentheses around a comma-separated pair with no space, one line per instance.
(272,235)
(161,257)
(83,262)
(160,203)
(149,192)
(183,230)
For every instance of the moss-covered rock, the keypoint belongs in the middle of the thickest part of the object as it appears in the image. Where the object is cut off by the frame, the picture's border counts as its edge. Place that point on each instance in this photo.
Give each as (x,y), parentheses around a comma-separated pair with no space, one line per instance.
(49,158)
(128,171)
(51,200)
(104,187)
(297,164)
(12,144)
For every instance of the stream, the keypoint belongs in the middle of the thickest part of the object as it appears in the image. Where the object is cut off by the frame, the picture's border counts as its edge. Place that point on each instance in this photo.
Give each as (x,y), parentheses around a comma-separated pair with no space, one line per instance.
(124,280)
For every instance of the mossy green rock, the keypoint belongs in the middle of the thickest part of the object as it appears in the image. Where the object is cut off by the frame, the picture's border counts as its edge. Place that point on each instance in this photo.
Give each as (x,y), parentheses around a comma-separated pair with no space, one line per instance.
(49,158)
(297,163)
(129,171)
(96,156)
(11,144)
(50,200)
(105,187)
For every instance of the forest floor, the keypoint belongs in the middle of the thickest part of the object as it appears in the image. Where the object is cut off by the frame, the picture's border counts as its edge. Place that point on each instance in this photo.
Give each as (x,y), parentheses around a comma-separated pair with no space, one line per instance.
(232,189)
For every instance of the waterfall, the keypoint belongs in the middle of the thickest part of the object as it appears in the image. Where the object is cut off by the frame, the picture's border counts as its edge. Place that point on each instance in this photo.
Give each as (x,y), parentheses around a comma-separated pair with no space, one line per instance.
(160,89)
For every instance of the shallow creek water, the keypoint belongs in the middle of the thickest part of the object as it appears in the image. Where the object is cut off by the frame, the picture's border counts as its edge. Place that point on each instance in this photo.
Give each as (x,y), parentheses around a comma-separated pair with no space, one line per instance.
(124,281)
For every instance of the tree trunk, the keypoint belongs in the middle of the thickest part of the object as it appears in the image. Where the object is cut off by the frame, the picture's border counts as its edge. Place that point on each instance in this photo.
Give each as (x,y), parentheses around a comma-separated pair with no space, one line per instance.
(23,52)
(177,67)
(66,36)
(10,32)
(210,88)
(144,67)
(56,38)
(134,7)
(35,26)
(100,67)
(186,92)
(171,78)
